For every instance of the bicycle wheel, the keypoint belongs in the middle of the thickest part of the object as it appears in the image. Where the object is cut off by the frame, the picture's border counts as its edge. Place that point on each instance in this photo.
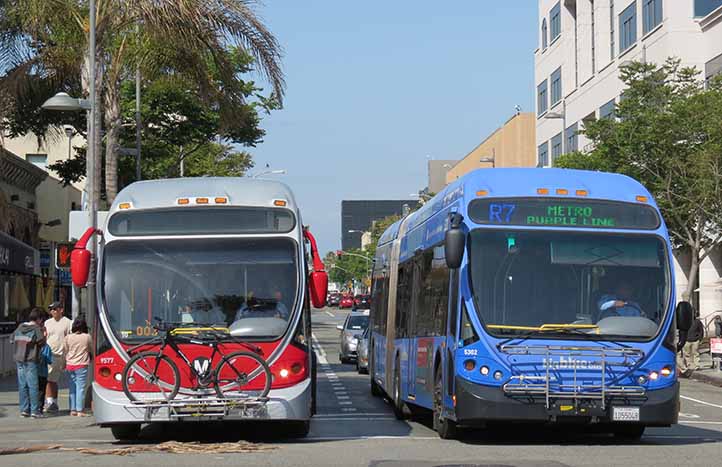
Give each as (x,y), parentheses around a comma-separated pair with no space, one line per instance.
(242,374)
(150,377)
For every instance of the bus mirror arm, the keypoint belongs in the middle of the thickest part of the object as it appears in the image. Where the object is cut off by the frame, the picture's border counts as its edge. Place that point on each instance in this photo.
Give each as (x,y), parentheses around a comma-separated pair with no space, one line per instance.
(454,242)
(80,259)
(318,280)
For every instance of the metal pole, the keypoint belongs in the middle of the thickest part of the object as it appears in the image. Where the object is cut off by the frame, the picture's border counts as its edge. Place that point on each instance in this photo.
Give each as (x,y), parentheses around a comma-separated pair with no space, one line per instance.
(92,159)
(137,116)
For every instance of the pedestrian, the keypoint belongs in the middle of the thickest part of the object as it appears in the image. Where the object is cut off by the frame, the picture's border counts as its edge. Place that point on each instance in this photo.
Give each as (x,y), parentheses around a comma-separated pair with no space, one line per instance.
(689,361)
(718,326)
(78,350)
(44,360)
(57,327)
(29,339)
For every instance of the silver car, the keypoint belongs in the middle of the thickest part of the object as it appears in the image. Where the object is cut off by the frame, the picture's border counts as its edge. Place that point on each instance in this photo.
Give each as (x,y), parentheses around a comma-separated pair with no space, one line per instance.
(355,324)
(362,350)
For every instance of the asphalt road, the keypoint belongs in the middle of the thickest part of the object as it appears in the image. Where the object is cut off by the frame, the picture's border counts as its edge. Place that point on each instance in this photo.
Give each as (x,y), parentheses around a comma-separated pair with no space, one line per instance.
(352,428)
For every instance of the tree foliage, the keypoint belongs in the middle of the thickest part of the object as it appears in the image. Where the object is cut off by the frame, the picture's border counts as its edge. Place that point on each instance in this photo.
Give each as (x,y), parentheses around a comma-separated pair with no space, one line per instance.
(351,267)
(667,134)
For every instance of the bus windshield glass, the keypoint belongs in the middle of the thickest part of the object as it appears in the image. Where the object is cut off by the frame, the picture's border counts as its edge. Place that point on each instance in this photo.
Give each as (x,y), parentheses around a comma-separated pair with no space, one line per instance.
(246,286)
(586,284)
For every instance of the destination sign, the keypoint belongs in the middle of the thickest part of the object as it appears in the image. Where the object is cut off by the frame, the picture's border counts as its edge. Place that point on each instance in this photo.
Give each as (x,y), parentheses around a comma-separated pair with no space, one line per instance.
(556,212)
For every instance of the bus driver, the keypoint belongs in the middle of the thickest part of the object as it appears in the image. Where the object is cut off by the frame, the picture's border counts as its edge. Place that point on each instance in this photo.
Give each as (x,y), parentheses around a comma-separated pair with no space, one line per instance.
(618,303)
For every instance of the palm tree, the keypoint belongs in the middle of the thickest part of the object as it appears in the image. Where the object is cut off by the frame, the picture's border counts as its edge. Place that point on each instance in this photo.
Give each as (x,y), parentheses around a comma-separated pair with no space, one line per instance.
(195,38)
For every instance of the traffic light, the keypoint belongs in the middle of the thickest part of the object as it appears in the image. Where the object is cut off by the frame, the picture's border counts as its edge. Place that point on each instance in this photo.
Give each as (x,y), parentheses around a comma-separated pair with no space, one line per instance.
(339,253)
(62,255)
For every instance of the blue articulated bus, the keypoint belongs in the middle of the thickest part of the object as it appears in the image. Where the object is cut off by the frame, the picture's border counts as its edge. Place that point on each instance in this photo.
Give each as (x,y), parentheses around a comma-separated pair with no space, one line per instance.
(529,295)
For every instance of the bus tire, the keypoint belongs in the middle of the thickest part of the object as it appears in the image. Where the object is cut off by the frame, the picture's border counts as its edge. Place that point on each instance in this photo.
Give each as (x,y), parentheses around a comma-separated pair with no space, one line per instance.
(375,388)
(298,428)
(125,431)
(446,428)
(628,432)
(396,401)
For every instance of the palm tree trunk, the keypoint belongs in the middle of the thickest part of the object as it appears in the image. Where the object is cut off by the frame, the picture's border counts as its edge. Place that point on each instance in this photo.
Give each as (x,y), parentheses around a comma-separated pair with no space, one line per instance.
(112,125)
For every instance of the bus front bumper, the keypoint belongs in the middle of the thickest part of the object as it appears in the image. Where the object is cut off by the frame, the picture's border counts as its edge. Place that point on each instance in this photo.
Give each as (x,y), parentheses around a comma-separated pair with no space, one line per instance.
(477,404)
(113,407)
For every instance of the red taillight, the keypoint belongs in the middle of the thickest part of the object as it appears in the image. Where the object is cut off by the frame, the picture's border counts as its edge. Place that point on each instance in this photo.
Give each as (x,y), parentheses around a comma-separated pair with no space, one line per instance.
(104,372)
(291,368)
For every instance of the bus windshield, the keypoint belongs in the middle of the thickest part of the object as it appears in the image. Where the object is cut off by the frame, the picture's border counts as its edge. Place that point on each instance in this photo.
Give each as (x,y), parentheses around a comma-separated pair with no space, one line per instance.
(586,284)
(247,286)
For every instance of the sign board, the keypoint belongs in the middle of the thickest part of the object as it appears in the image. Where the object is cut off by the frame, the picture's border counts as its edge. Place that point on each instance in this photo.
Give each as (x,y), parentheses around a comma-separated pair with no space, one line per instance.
(715,345)
(16,256)
(62,255)
(64,278)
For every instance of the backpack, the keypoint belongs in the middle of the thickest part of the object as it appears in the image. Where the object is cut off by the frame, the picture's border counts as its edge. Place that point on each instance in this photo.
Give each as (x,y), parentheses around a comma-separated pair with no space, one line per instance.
(26,334)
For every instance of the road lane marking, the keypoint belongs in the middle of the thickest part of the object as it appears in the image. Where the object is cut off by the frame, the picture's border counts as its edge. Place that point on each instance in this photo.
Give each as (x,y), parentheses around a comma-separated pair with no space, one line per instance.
(688,415)
(330,314)
(699,422)
(364,414)
(344,403)
(341,398)
(701,402)
(320,353)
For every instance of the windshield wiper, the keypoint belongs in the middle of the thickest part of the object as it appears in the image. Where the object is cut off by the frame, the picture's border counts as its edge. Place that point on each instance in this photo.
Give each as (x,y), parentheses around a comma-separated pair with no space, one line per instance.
(531,331)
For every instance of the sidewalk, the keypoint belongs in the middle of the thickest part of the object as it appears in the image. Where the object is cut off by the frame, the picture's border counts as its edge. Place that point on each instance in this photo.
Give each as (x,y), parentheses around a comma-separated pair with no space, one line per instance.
(707,374)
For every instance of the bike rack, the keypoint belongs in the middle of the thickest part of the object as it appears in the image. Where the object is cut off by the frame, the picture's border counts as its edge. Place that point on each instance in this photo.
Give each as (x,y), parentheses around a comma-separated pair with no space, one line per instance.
(202,407)
(550,384)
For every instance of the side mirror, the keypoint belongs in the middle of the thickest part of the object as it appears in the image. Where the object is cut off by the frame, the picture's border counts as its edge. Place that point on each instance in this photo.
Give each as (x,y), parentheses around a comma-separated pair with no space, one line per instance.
(80,259)
(318,286)
(455,242)
(339,327)
(685,316)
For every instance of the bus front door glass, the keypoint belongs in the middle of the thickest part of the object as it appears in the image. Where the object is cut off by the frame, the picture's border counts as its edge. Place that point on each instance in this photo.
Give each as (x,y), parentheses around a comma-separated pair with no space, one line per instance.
(588,285)
(247,286)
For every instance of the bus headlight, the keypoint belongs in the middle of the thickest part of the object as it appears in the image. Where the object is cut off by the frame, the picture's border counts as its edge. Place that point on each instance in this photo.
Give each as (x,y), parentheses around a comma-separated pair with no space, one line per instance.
(469,365)
(484,370)
(497,375)
(653,376)
(118,377)
(666,371)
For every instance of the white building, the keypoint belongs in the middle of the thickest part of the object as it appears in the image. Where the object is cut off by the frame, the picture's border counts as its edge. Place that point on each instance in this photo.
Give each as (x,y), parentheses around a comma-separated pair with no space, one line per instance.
(582,43)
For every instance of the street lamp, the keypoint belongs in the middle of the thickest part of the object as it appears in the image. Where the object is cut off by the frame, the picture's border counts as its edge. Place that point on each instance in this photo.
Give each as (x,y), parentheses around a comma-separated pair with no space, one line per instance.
(270,172)
(563,116)
(63,102)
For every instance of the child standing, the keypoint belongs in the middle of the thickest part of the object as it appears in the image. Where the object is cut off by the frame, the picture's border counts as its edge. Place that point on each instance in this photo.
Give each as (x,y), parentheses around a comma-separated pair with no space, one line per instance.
(78,349)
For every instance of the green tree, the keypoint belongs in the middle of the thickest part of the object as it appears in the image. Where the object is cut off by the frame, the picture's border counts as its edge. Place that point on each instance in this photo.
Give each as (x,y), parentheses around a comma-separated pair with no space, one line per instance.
(355,266)
(377,229)
(667,134)
(44,44)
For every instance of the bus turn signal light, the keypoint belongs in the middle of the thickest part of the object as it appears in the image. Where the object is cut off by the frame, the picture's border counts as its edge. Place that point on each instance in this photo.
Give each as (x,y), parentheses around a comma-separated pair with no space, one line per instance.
(469,365)
(279,202)
(124,206)
(542,191)
(666,371)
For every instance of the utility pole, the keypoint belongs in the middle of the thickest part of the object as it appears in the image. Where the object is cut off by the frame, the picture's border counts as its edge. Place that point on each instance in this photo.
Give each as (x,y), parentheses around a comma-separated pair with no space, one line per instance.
(92,160)
(137,114)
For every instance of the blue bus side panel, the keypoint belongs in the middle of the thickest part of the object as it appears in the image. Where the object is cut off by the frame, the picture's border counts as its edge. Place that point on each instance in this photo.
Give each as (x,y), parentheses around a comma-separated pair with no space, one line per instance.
(379,359)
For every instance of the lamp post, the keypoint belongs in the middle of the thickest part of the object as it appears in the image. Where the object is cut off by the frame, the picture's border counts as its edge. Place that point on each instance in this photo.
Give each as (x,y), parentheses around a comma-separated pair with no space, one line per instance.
(490,159)
(63,102)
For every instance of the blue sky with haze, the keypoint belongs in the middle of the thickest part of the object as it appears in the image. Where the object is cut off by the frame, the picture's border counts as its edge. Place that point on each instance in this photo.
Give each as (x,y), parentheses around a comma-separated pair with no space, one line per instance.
(376,86)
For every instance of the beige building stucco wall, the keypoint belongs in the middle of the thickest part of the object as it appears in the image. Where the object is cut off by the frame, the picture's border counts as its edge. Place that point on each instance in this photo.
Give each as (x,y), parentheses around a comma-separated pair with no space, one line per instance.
(512,145)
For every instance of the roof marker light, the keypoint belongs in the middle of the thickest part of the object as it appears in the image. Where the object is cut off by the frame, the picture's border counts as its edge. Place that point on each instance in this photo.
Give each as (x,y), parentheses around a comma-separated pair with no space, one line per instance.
(642,199)
(582,192)
(201,200)
(542,191)
(221,200)
(482,193)
(562,191)
(183,201)
(124,206)
(279,202)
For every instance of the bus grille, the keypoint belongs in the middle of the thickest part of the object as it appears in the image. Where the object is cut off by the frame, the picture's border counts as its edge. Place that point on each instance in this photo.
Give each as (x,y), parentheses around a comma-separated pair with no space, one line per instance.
(572,372)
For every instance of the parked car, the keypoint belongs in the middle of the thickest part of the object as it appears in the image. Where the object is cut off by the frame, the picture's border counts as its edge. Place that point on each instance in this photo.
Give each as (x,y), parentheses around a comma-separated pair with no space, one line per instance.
(354,326)
(362,302)
(362,351)
(346,302)
(333,299)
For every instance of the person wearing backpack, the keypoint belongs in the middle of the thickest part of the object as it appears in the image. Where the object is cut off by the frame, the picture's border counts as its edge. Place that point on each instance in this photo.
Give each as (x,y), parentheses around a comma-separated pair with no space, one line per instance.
(690,351)
(29,339)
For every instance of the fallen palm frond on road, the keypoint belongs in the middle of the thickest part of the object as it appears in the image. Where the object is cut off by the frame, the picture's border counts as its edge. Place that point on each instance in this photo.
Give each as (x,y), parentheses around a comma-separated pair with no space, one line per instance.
(173,447)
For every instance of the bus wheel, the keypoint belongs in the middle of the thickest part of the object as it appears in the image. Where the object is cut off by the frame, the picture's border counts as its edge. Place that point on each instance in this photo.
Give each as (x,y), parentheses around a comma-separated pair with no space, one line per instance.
(298,429)
(628,432)
(398,404)
(444,427)
(126,431)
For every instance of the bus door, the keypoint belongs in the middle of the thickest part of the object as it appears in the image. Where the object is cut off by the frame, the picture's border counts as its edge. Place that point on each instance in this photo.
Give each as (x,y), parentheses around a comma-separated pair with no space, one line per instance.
(412,339)
(451,338)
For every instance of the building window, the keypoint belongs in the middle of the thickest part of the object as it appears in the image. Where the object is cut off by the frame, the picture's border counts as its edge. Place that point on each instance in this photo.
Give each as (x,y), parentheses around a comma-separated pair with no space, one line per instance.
(556,147)
(38,160)
(572,140)
(628,27)
(607,110)
(611,26)
(541,97)
(544,34)
(543,154)
(651,14)
(555,21)
(556,80)
(705,7)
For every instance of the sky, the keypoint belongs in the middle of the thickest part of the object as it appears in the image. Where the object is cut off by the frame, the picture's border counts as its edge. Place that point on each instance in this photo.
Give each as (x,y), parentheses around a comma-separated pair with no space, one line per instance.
(374,88)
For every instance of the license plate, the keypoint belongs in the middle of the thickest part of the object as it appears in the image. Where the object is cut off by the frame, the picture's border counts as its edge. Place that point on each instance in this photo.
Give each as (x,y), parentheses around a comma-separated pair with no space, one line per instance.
(625,414)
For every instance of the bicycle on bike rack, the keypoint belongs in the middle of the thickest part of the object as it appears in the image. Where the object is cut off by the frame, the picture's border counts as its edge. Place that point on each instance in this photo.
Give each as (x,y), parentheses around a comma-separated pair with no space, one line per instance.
(238,375)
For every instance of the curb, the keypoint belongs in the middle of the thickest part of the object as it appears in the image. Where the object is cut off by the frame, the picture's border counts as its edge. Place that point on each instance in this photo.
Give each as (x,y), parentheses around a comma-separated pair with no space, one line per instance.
(703,378)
